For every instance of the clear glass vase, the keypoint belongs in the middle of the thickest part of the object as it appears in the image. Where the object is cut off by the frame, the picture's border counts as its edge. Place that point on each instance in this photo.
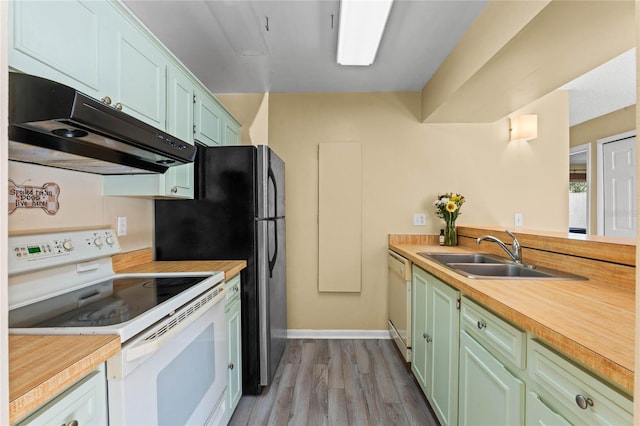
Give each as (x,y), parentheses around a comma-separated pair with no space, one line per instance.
(450,234)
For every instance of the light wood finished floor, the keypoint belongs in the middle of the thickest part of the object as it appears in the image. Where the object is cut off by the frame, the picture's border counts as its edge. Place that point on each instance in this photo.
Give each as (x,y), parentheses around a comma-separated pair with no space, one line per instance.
(338,382)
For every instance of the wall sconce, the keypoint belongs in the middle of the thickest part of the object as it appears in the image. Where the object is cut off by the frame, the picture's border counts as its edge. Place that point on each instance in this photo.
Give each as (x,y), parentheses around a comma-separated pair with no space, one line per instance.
(524,127)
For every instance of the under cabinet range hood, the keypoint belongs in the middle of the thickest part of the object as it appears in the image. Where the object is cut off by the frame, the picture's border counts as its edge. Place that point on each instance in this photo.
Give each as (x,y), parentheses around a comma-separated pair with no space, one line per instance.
(55,125)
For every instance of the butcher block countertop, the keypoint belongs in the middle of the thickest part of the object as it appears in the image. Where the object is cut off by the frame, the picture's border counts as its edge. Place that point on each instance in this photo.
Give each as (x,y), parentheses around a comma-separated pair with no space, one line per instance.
(591,321)
(40,367)
(229,267)
(141,261)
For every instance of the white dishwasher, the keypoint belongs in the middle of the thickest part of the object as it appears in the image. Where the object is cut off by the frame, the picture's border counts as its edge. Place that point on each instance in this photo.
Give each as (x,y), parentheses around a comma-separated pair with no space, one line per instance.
(399,303)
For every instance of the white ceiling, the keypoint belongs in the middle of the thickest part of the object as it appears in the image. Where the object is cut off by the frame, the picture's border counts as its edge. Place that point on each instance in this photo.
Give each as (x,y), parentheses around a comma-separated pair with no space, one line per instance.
(605,89)
(298,52)
(226,44)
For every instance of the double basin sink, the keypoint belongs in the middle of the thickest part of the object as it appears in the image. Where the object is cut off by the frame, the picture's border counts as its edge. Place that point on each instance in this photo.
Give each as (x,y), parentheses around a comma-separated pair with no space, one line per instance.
(486,266)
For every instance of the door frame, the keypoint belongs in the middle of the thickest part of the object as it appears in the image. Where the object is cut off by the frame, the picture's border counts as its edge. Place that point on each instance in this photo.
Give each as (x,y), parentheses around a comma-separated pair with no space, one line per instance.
(600,175)
(576,150)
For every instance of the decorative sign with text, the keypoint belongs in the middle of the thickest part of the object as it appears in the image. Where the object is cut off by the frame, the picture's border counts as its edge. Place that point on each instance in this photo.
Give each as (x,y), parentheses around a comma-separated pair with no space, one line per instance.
(34,197)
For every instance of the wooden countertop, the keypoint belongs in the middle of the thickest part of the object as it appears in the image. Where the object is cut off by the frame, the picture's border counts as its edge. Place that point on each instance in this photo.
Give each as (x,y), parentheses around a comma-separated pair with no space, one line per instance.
(40,367)
(589,320)
(229,267)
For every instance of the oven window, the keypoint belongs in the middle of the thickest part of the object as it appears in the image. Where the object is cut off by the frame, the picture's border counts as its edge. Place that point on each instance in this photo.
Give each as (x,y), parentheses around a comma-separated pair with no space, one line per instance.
(183,383)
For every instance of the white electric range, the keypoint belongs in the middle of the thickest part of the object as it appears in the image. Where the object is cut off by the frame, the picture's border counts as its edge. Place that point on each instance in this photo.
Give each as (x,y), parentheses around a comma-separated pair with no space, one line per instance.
(171,325)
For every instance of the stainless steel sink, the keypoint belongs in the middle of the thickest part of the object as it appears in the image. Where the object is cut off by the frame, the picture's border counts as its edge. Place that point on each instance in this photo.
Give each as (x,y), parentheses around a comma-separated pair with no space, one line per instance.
(485,266)
(501,270)
(446,258)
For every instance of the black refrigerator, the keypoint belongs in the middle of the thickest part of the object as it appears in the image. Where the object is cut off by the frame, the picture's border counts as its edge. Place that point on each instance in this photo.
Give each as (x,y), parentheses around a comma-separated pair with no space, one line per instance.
(238,213)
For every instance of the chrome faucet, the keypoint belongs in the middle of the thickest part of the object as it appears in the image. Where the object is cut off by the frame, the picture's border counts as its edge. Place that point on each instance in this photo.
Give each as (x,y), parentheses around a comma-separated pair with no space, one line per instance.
(515,254)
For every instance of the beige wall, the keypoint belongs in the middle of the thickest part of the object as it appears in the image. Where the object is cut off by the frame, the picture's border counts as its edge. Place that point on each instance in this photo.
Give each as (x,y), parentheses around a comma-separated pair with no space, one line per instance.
(405,164)
(252,111)
(81,204)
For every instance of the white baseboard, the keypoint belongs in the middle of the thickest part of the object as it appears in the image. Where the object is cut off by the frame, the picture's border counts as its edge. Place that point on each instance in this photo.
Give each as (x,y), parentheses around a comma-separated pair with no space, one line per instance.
(338,334)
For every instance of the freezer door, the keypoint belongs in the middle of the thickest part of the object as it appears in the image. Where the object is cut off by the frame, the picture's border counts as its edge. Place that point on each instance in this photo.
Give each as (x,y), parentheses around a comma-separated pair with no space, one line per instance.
(270,183)
(272,296)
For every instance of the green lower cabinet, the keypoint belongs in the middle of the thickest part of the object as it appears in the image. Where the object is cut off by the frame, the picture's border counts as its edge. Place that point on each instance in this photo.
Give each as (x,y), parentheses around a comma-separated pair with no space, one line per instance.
(538,413)
(573,392)
(488,393)
(436,325)
(234,333)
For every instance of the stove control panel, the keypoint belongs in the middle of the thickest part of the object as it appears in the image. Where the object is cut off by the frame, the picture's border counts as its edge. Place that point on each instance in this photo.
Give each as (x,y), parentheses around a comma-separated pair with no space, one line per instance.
(38,251)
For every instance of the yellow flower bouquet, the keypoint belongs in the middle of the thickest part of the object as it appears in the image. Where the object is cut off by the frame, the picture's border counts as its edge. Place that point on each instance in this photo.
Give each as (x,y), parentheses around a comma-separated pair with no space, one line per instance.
(448,208)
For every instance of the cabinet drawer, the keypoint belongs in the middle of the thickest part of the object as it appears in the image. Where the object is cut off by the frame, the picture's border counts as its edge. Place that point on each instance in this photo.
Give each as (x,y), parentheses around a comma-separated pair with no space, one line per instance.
(85,403)
(498,336)
(567,387)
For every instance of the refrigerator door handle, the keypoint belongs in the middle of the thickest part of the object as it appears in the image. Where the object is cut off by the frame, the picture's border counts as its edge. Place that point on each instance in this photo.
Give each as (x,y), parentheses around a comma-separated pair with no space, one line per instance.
(272,180)
(272,260)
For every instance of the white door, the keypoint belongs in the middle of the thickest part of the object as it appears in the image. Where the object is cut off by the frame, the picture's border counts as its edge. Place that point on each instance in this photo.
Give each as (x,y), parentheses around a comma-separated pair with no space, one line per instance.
(619,187)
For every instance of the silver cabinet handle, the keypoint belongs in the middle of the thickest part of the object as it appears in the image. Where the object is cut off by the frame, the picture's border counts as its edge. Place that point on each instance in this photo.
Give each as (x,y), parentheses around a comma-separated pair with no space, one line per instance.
(426,337)
(481,324)
(230,366)
(584,401)
(118,106)
(72,423)
(106,100)
(174,190)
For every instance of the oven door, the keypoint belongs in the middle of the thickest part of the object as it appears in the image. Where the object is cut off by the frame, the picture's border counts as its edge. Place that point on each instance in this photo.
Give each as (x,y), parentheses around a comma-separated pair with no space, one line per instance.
(176,372)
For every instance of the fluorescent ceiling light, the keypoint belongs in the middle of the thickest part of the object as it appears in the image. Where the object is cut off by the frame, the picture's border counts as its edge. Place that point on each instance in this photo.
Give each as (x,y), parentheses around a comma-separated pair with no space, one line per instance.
(362,23)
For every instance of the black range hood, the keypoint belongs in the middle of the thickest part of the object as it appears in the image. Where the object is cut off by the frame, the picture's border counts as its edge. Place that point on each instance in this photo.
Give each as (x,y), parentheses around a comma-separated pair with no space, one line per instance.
(55,125)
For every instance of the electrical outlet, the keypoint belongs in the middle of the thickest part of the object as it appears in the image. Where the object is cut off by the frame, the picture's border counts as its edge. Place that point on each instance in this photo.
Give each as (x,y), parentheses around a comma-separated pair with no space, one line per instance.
(517,219)
(419,219)
(122,226)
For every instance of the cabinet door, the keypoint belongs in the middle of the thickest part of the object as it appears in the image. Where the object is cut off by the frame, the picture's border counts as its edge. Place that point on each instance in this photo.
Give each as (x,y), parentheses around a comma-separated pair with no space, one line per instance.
(419,327)
(85,403)
(488,393)
(208,120)
(231,132)
(234,383)
(62,41)
(138,74)
(180,103)
(442,353)
(539,414)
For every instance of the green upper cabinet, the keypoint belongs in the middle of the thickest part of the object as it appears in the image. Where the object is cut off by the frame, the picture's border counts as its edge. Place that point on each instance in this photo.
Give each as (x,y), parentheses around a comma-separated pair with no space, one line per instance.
(138,73)
(181,95)
(40,42)
(109,55)
(436,327)
(177,181)
(231,131)
(208,120)
(103,54)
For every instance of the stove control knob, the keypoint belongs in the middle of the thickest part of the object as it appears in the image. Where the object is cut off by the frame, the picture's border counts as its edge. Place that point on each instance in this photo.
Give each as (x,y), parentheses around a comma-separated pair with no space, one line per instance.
(98,242)
(110,240)
(67,245)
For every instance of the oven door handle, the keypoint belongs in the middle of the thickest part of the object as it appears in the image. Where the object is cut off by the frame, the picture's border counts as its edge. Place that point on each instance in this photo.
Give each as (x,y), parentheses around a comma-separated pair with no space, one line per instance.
(170,327)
